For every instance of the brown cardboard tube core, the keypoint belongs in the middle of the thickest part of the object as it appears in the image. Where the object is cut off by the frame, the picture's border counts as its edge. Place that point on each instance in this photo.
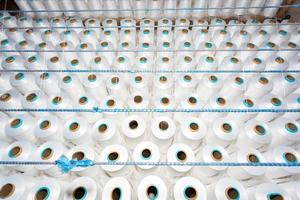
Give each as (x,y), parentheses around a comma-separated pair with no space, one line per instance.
(138,99)
(133,124)
(152,192)
(15,123)
(15,151)
(146,153)
(83,100)
(79,155)
(45,125)
(165,59)
(187,78)
(275,197)
(165,100)
(138,79)
(113,156)
(260,130)
(221,101)
(290,157)
(7,190)
(226,128)
(232,193)
(79,193)
(163,125)
(54,59)
(217,155)
(5,97)
(63,44)
(102,128)
(111,102)
(116,194)
(192,100)
(31,97)
(190,193)
(57,100)
(92,77)
(252,158)
(41,194)
(74,126)
(194,126)
(263,80)
(181,155)
(47,154)
(163,79)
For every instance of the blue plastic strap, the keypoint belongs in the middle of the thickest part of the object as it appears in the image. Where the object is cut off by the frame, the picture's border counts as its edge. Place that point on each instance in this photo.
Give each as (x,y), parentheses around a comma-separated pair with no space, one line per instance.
(66,165)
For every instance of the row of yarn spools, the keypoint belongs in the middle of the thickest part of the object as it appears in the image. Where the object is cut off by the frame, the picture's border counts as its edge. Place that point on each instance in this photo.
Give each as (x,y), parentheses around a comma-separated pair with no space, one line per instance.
(153,9)
(236,92)
(149,187)
(104,143)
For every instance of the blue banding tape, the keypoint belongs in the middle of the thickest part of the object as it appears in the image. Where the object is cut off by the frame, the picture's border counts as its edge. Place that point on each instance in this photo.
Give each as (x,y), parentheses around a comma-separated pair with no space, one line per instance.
(153,110)
(133,71)
(66,165)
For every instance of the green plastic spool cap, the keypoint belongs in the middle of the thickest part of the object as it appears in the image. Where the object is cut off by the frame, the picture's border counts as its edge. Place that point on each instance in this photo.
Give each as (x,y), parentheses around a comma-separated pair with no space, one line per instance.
(86,32)
(74,62)
(5,42)
(104,44)
(15,152)
(213,79)
(208,45)
(232,193)
(10,59)
(289,78)
(239,80)
(259,130)
(216,155)
(31,97)
(166,44)
(44,76)
(57,100)
(143,60)
(283,32)
(32,59)
(146,45)
(19,76)
(44,125)
(187,44)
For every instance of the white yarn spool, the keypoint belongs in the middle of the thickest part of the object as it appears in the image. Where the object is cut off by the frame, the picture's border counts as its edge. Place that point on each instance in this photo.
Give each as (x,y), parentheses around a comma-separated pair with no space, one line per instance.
(94,23)
(45,46)
(35,99)
(229,50)
(285,132)
(146,36)
(185,84)
(220,36)
(24,46)
(94,86)
(9,21)
(258,4)
(251,26)
(255,134)
(270,101)
(270,25)
(48,128)
(139,100)
(38,5)
(35,62)
(189,187)
(282,154)
(126,56)
(139,83)
(52,5)
(24,5)
(215,102)
(110,5)
(280,37)
(242,4)
(83,152)
(230,63)
(210,47)
(76,131)
(10,99)
(253,63)
(250,51)
(71,85)
(244,102)
(86,53)
(40,23)
(259,86)
(50,152)
(70,36)
(106,50)
(23,82)
(13,62)
(162,132)
(48,83)
(82,5)
(164,102)
(128,35)
(241,37)
(200,13)
(216,24)
(210,153)
(60,101)
(293,102)
(4,82)
(89,36)
(110,102)
(110,24)
(117,86)
(87,102)
(146,50)
(270,12)
(66,56)
(234,25)
(295,37)
(155,5)
(152,187)
(290,52)
(95,4)
(147,24)
(100,63)
(115,153)
(285,85)
(164,24)
(233,87)
(105,133)
(185,63)
(169,5)
(276,63)
(117,187)
(7,44)
(192,132)
(165,51)
(214,6)
(179,152)
(19,151)
(210,85)
(82,187)
(59,24)
(163,84)
(185,49)
(224,131)
(268,191)
(200,36)
(33,35)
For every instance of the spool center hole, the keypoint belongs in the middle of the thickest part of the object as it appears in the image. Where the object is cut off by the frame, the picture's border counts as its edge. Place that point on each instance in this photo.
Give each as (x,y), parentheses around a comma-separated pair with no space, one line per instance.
(111,102)
(192,100)
(146,153)
(15,152)
(16,123)
(138,79)
(163,79)
(74,126)
(165,100)
(115,80)
(113,156)
(5,97)
(252,158)
(31,97)
(116,194)
(181,155)
(190,193)
(7,190)
(232,193)
(217,155)
(133,124)
(78,155)
(41,194)
(102,128)
(92,77)
(47,154)
(226,128)
(194,126)
(260,130)
(79,193)
(138,99)
(290,157)
(163,125)
(221,101)
(152,192)
(275,197)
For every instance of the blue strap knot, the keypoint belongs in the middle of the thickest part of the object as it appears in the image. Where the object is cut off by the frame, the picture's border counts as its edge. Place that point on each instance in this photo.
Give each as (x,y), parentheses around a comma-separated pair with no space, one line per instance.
(66,165)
